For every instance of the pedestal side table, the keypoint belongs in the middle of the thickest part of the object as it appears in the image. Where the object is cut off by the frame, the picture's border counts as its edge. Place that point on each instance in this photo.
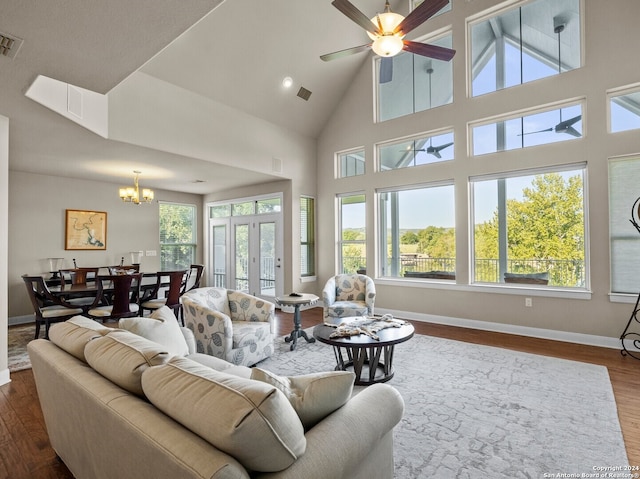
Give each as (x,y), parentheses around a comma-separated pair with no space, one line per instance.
(297,300)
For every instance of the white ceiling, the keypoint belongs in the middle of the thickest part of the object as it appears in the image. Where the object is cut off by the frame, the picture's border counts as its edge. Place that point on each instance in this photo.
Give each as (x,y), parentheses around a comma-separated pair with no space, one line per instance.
(236,55)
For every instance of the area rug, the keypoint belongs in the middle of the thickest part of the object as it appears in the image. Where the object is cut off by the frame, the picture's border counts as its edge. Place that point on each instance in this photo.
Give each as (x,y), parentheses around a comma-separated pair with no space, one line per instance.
(475,411)
(18,338)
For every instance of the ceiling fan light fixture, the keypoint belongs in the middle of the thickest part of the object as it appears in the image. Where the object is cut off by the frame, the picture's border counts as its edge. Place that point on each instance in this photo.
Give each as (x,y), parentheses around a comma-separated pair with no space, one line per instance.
(388,23)
(387,45)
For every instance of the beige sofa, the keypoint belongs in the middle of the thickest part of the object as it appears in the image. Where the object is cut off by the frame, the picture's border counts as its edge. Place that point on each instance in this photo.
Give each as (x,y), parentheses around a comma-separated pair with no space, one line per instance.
(118,405)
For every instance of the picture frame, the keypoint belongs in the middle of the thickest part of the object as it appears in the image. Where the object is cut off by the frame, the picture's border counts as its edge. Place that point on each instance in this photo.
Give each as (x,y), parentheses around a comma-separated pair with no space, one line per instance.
(85,230)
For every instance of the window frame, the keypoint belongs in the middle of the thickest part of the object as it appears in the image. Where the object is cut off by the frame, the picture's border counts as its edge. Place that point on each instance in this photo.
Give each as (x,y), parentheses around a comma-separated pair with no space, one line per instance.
(341,242)
(308,236)
(339,156)
(616,93)
(194,235)
(382,258)
(506,175)
(427,135)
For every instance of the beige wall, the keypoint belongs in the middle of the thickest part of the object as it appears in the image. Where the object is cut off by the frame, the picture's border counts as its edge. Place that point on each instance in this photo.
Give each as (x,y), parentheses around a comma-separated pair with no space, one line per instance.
(36,227)
(610,47)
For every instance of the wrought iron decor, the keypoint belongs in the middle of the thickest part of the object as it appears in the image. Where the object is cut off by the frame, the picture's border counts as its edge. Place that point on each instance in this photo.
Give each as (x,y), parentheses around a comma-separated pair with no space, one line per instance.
(627,336)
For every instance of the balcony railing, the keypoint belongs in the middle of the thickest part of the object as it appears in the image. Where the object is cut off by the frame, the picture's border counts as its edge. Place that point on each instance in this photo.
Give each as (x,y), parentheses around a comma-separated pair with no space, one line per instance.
(567,273)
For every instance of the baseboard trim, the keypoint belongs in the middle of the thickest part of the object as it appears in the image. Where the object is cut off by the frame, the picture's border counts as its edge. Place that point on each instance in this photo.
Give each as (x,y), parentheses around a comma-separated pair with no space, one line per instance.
(564,336)
(21,320)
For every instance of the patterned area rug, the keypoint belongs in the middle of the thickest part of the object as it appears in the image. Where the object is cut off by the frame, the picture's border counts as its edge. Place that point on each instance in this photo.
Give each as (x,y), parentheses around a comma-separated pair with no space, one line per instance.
(476,411)
(19,337)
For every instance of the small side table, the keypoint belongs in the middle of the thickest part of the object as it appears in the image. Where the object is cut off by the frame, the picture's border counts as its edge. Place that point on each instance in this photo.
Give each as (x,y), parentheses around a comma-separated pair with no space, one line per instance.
(296,300)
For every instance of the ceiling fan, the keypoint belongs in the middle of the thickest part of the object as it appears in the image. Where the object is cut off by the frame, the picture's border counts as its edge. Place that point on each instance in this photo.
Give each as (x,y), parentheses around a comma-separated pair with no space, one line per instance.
(387,31)
(565,126)
(431,150)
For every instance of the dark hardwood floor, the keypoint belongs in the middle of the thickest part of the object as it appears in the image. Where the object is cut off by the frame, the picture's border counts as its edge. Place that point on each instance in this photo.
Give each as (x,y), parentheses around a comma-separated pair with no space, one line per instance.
(25,452)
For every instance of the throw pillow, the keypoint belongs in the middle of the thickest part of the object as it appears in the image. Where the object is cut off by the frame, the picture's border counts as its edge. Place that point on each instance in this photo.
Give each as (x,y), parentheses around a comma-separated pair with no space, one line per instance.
(249,420)
(122,357)
(313,396)
(74,334)
(161,327)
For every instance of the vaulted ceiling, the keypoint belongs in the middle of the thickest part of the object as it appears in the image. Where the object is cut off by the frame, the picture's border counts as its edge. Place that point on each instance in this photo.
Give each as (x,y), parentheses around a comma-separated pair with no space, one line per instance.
(235,52)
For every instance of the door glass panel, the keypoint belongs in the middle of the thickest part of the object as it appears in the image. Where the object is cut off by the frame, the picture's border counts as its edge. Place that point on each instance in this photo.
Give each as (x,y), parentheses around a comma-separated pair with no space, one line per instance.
(241,242)
(267,259)
(219,256)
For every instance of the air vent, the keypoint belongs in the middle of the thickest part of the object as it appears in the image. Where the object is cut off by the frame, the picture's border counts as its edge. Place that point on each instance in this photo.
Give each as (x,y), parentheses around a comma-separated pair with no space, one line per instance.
(9,45)
(304,93)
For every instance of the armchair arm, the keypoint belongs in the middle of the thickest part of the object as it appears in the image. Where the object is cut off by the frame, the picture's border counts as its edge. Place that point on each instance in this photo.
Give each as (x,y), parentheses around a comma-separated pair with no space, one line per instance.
(212,329)
(370,293)
(329,292)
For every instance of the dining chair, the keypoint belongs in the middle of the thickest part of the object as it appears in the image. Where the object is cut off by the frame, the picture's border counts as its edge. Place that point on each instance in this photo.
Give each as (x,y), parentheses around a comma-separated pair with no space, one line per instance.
(195,276)
(174,283)
(47,307)
(78,276)
(116,296)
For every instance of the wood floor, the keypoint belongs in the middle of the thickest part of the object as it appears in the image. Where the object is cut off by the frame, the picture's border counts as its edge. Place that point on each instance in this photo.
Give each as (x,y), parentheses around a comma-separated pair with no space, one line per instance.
(25,452)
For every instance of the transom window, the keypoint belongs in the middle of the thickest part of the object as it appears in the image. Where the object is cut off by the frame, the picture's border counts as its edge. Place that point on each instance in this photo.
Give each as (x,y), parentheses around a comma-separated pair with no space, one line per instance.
(351,163)
(526,43)
(529,228)
(415,151)
(624,110)
(411,83)
(540,128)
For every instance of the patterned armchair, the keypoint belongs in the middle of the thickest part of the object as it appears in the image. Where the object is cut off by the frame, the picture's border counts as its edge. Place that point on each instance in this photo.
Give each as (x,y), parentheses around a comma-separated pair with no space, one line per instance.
(348,295)
(230,325)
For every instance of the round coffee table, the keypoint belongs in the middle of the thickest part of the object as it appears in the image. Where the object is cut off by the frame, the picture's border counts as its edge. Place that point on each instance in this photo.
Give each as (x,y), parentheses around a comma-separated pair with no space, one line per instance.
(371,360)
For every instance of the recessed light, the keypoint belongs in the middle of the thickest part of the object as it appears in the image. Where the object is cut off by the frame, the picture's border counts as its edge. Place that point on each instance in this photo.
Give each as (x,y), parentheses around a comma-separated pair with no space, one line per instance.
(287,82)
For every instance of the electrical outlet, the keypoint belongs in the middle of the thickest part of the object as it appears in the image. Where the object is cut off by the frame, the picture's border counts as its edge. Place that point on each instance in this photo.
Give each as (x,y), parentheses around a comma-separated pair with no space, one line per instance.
(528,302)
(151,252)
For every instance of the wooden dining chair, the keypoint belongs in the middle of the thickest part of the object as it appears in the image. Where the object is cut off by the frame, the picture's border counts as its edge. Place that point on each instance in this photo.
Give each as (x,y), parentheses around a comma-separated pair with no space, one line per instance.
(116,297)
(79,276)
(195,276)
(173,283)
(47,307)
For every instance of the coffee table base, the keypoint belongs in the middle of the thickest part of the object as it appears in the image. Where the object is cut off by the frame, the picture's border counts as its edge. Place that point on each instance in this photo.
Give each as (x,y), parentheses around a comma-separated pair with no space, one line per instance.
(365,363)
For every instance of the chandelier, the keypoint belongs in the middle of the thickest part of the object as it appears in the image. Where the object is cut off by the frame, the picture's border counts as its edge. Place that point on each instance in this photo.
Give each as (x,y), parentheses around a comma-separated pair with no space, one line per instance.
(131,194)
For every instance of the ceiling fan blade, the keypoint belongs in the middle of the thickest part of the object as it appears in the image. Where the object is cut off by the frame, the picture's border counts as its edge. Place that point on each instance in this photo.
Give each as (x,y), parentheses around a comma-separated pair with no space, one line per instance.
(351,11)
(419,15)
(386,69)
(427,50)
(532,132)
(345,53)
(572,131)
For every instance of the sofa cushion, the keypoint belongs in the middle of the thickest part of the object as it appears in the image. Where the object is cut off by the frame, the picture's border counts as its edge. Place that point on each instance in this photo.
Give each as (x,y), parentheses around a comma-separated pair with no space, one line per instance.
(74,334)
(313,396)
(122,357)
(250,420)
(161,327)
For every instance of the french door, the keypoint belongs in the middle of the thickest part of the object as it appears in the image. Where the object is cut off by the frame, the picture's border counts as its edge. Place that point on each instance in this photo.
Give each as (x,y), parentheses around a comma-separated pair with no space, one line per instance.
(247,254)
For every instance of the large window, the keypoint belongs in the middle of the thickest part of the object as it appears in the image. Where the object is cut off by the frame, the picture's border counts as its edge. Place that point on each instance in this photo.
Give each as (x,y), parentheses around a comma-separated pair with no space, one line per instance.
(307,237)
(352,246)
(624,175)
(551,126)
(416,151)
(417,232)
(178,233)
(523,44)
(413,83)
(530,228)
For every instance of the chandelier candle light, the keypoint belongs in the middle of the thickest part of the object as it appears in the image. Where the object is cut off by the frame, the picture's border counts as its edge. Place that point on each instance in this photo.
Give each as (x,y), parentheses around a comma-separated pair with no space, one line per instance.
(131,194)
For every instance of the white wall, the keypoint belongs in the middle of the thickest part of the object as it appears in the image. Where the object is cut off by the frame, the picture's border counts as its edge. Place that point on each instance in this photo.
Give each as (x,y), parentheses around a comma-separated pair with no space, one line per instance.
(37,220)
(610,47)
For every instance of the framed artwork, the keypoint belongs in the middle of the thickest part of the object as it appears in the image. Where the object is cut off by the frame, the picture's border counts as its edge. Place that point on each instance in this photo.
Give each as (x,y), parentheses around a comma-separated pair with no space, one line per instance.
(85,230)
